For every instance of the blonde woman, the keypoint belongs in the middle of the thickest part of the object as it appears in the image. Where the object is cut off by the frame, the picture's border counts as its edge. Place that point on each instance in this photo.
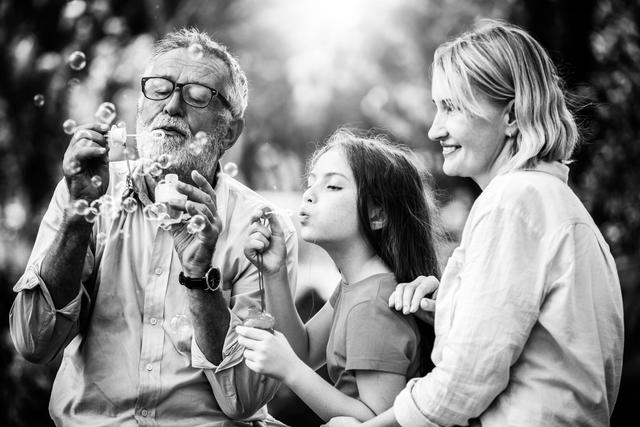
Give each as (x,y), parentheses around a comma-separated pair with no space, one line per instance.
(528,321)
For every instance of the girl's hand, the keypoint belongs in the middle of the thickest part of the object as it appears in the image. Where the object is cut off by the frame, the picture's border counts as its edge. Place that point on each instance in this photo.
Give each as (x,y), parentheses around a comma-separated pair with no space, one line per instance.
(268,354)
(266,240)
(409,297)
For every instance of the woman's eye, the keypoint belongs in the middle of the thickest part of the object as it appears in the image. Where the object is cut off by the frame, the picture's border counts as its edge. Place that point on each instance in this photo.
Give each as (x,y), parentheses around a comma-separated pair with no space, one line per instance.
(334,187)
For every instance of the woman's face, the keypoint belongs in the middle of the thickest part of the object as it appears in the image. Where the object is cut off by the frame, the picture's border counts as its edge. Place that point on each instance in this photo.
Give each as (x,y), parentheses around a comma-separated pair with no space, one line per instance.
(472,146)
(329,213)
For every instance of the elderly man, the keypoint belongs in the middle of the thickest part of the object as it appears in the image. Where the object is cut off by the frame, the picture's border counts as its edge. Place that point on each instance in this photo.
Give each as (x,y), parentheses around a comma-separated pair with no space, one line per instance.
(146,316)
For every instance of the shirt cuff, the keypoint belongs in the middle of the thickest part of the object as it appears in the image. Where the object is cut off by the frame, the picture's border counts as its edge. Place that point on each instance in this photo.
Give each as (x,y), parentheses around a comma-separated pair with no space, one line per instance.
(31,279)
(406,410)
(232,352)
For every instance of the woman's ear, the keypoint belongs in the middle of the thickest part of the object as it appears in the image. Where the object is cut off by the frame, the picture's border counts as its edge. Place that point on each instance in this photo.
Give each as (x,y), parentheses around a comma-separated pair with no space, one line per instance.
(511,125)
(377,218)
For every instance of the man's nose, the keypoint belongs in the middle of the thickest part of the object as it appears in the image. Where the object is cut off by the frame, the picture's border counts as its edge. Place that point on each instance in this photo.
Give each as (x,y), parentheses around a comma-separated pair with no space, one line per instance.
(174,105)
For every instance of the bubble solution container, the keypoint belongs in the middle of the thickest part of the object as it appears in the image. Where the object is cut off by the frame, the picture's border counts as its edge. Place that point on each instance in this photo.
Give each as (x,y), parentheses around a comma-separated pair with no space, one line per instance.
(259,319)
(165,191)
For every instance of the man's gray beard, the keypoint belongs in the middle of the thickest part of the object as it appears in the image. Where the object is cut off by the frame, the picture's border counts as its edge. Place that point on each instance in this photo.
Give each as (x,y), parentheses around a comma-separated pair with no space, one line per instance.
(182,160)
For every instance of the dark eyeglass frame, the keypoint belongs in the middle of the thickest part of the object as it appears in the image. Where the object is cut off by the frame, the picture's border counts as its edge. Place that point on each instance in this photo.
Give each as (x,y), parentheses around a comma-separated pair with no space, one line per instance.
(214,92)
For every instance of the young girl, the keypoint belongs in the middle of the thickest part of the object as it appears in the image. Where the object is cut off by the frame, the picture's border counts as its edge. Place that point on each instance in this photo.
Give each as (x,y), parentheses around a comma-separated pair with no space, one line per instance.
(365,205)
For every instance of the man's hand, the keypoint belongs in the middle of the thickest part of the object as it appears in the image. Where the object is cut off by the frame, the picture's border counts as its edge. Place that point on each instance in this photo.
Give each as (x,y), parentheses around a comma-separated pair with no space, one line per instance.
(87,156)
(409,297)
(268,241)
(196,250)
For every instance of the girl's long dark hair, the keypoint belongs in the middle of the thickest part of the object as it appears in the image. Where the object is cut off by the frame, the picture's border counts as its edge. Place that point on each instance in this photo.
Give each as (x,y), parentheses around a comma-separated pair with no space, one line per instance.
(388,178)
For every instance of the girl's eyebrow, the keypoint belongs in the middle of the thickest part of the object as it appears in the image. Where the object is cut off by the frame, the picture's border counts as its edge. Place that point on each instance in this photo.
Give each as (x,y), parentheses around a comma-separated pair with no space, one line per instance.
(328,175)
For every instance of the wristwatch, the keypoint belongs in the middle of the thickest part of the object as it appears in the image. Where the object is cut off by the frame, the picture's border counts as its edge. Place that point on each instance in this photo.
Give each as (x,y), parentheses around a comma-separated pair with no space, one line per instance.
(210,281)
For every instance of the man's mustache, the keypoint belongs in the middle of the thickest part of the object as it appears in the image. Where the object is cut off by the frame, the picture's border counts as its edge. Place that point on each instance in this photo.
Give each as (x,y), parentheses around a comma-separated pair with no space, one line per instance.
(169,122)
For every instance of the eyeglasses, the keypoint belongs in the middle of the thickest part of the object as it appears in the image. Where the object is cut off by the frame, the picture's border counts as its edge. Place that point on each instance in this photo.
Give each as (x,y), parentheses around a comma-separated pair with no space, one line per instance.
(194,94)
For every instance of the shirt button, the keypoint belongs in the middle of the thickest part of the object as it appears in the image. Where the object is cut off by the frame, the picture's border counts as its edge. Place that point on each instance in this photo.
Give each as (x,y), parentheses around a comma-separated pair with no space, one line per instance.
(153,321)
(158,271)
(149,367)
(144,412)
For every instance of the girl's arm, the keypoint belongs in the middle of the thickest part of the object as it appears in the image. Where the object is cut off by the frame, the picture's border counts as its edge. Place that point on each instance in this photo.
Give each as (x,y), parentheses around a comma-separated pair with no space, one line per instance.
(309,342)
(272,355)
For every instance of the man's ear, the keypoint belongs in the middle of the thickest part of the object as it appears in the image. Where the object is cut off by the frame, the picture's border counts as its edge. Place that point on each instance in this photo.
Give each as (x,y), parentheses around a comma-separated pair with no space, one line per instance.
(233,133)
(377,218)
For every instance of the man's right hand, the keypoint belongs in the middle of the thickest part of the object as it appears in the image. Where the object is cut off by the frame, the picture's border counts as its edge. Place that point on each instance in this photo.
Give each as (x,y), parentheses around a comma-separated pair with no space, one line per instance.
(86,157)
(268,241)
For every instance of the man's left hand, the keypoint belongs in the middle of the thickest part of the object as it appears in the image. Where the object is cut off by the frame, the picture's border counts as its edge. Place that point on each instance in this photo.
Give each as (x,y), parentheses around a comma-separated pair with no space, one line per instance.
(196,250)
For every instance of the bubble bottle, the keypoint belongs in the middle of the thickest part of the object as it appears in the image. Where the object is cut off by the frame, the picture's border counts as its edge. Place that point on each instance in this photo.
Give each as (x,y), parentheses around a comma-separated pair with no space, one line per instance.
(166,190)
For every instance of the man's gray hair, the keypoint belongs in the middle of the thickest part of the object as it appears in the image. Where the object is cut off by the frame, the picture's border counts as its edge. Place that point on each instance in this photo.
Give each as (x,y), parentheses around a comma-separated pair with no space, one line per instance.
(236,90)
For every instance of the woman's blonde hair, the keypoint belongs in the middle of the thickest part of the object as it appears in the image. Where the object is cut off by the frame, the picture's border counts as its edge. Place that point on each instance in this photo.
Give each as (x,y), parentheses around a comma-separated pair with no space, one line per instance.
(504,63)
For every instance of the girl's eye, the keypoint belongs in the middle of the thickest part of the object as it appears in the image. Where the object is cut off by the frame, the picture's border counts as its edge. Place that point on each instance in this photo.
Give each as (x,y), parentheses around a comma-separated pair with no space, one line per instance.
(334,187)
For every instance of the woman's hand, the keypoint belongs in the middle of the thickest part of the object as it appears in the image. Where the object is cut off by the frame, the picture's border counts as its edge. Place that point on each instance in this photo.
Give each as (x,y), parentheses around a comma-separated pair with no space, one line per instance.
(409,297)
(268,354)
(266,240)
(342,422)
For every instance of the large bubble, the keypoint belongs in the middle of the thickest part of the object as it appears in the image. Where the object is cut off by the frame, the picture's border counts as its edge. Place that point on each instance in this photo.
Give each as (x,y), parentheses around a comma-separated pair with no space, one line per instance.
(164,160)
(129,205)
(196,224)
(77,60)
(106,113)
(230,169)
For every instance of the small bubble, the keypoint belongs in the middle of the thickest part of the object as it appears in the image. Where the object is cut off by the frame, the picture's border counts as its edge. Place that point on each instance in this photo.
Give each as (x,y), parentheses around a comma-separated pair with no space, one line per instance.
(97,204)
(196,224)
(155,211)
(166,225)
(202,138)
(92,215)
(75,167)
(80,207)
(195,51)
(129,205)
(121,124)
(96,181)
(164,160)
(106,113)
(194,148)
(38,100)
(69,126)
(274,188)
(77,60)
(230,169)
(101,237)
(157,134)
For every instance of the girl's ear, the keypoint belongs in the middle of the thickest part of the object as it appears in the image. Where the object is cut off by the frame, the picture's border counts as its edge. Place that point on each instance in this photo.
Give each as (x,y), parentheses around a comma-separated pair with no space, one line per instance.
(511,125)
(377,218)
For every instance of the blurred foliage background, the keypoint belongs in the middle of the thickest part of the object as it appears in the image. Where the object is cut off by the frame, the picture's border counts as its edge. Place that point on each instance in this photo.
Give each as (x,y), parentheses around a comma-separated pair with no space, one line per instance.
(312,65)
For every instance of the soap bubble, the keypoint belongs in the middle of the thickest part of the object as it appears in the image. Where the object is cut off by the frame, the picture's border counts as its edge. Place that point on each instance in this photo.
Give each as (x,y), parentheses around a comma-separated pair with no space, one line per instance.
(92,215)
(166,225)
(38,100)
(96,181)
(80,207)
(155,211)
(196,224)
(69,126)
(194,148)
(101,237)
(202,138)
(106,113)
(230,169)
(195,51)
(164,160)
(77,60)
(157,134)
(75,167)
(129,205)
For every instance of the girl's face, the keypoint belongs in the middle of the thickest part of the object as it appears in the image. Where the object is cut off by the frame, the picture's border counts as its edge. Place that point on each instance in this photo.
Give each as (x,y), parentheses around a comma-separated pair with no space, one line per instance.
(329,214)
(472,146)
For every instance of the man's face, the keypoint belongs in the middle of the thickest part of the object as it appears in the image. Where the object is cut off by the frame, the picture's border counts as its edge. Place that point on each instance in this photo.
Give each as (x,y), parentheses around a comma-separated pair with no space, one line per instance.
(180,121)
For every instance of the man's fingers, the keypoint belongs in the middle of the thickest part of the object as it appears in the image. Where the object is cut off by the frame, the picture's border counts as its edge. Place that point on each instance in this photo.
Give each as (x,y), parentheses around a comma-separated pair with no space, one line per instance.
(87,153)
(253,333)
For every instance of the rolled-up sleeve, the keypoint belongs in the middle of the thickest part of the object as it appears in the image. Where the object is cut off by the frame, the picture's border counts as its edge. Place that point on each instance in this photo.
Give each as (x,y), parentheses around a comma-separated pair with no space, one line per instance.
(501,289)
(39,330)
(240,392)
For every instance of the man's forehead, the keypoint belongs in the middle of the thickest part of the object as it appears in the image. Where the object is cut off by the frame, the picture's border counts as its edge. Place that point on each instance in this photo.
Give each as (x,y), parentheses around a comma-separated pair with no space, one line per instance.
(179,65)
